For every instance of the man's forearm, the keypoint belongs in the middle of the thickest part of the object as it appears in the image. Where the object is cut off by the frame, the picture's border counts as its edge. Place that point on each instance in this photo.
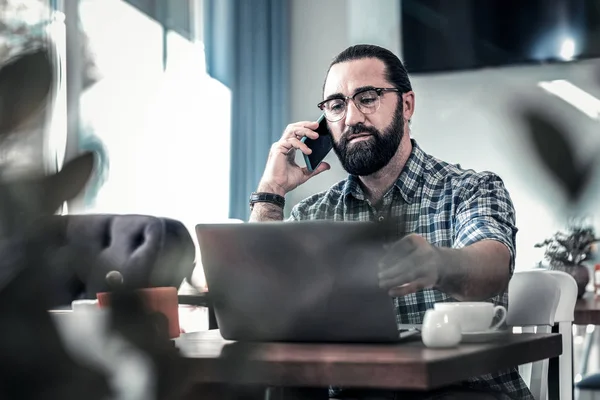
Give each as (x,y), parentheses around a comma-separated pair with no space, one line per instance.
(476,272)
(264,212)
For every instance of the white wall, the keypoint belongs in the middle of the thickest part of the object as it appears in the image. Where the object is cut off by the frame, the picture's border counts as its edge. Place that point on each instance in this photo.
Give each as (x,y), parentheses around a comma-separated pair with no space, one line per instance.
(468,118)
(318,34)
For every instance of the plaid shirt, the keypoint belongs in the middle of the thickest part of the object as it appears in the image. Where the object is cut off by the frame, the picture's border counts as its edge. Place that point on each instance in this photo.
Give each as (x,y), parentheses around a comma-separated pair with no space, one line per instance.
(448,206)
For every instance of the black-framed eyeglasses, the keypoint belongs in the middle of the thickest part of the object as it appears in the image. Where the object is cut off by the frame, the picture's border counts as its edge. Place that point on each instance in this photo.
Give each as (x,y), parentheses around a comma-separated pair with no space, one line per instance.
(367,101)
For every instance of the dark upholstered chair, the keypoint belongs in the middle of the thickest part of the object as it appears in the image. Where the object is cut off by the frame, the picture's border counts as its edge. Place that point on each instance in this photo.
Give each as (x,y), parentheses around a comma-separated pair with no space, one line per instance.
(147,251)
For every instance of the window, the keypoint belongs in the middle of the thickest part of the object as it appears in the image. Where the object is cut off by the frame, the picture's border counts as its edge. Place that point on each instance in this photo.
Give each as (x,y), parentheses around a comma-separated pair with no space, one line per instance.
(157,122)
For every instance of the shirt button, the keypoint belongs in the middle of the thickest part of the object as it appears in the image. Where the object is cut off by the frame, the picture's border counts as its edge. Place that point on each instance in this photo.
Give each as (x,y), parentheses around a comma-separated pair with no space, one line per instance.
(380,219)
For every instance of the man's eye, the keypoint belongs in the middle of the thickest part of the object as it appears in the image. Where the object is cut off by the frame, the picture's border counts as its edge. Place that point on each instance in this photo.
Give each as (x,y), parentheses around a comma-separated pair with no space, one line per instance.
(336,106)
(367,100)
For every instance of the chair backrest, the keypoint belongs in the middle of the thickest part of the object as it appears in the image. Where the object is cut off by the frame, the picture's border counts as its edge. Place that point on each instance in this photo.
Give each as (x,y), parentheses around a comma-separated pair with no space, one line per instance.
(565,314)
(539,299)
(148,252)
(533,298)
(565,311)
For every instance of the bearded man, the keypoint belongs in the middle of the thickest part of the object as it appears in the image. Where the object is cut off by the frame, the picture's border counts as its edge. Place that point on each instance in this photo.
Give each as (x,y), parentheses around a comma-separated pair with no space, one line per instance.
(457,239)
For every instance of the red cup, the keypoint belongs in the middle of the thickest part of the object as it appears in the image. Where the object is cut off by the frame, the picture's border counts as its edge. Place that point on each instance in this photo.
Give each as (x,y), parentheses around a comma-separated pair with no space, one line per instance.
(160,299)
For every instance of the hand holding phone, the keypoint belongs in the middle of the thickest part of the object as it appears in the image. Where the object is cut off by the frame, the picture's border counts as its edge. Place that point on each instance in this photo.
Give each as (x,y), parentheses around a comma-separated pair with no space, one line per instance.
(282,174)
(320,147)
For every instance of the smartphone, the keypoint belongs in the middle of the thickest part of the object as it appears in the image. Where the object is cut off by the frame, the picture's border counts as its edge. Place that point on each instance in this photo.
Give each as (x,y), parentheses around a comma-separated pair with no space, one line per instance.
(320,147)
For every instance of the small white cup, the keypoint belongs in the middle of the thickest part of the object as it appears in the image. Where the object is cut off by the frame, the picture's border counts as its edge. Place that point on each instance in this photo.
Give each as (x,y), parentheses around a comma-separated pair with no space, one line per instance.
(476,316)
(440,329)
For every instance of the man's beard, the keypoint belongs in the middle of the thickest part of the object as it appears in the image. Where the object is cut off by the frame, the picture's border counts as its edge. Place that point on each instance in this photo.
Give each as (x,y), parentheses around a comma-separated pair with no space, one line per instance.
(370,155)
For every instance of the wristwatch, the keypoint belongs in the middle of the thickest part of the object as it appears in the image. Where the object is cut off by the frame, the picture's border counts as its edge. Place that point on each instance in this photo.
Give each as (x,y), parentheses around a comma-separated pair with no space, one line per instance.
(263,197)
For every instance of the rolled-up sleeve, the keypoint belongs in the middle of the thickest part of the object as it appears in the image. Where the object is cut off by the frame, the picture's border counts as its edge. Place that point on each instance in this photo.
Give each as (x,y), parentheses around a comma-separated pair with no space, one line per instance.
(486,212)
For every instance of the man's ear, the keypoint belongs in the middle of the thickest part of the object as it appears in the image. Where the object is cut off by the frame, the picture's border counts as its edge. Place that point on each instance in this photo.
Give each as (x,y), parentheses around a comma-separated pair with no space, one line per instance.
(408,105)
(70,180)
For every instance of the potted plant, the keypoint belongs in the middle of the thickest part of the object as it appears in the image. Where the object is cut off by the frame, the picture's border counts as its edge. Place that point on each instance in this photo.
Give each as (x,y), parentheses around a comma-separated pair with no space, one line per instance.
(566,251)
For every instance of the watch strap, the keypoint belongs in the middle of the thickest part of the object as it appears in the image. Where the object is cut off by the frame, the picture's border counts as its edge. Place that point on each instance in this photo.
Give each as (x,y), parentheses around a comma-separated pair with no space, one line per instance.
(264,197)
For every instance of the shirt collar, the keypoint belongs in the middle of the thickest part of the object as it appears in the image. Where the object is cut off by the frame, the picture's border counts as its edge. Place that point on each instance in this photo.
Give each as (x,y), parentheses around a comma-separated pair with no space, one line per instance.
(408,182)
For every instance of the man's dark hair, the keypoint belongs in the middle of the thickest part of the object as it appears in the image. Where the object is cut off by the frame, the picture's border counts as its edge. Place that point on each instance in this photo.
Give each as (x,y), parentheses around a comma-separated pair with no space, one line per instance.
(395,71)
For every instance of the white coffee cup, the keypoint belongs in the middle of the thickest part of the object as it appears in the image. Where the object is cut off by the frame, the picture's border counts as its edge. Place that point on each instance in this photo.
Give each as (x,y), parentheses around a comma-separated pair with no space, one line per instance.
(474,316)
(440,329)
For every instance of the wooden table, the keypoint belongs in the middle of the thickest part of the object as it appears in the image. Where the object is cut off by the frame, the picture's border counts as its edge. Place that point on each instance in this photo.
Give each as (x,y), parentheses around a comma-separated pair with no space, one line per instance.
(587,310)
(409,365)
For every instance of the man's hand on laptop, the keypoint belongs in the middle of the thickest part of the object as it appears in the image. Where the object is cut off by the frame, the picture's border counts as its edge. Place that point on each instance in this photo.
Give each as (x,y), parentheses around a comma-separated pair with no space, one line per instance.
(282,173)
(410,265)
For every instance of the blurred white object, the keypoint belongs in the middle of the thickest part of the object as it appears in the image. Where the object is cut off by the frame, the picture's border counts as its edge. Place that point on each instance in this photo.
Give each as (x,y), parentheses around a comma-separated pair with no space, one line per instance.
(440,329)
(86,337)
(84,305)
(193,318)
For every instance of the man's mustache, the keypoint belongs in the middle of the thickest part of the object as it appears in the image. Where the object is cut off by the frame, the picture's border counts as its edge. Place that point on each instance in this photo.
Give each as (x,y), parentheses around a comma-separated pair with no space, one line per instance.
(357,130)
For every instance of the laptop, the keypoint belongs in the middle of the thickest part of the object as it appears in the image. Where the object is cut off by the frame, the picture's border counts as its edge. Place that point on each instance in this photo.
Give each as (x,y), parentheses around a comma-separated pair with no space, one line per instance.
(309,281)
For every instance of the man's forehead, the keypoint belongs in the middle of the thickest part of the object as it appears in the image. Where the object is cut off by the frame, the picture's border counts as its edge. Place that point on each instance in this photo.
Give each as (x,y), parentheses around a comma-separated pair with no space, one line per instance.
(347,76)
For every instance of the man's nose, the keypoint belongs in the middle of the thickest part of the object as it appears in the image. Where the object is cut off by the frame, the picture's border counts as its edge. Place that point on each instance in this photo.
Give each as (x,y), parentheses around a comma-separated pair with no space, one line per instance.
(353,115)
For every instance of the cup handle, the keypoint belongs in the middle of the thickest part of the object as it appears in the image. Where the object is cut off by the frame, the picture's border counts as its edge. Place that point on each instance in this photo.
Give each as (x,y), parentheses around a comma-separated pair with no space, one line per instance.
(502,311)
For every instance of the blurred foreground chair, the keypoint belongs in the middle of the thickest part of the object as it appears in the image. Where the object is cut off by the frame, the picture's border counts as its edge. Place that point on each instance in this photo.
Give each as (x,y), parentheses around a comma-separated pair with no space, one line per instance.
(147,251)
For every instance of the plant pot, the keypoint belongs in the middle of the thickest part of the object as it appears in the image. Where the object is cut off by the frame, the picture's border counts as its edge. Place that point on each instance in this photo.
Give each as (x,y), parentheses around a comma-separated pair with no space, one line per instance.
(579,272)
